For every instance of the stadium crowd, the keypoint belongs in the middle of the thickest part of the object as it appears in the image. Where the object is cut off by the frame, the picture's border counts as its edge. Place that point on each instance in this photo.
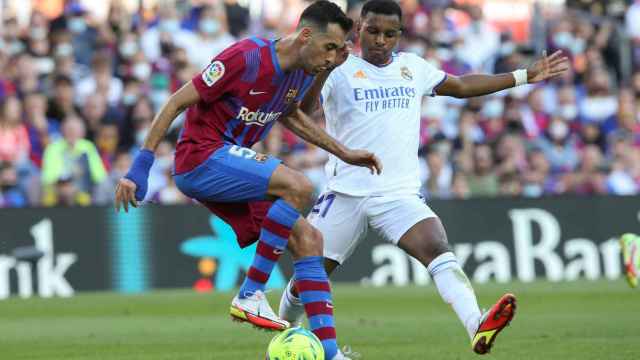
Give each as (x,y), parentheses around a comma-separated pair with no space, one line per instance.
(77,97)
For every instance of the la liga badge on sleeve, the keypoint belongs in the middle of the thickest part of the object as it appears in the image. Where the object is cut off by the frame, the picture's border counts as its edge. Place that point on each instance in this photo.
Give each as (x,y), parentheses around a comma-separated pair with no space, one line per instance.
(213,72)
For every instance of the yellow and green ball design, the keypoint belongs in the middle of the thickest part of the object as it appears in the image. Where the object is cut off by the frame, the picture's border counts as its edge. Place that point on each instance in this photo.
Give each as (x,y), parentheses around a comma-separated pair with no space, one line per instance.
(295,344)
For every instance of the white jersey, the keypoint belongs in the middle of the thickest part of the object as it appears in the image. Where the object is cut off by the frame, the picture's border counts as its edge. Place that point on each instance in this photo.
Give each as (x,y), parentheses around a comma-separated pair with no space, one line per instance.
(378,109)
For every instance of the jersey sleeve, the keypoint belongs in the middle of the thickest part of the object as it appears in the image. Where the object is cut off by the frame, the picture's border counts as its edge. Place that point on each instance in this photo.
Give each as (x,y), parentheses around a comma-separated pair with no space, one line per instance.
(431,77)
(221,76)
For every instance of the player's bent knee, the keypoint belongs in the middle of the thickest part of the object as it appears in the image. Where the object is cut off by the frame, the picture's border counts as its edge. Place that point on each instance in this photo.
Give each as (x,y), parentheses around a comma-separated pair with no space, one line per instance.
(300,192)
(307,242)
(312,243)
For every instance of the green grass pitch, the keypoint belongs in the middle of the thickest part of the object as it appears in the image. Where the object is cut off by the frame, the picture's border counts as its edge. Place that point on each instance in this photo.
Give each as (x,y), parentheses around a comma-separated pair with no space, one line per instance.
(581,320)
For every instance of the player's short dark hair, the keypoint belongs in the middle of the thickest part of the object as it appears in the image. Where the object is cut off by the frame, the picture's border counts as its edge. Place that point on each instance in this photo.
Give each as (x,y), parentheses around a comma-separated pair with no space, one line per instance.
(322,13)
(382,7)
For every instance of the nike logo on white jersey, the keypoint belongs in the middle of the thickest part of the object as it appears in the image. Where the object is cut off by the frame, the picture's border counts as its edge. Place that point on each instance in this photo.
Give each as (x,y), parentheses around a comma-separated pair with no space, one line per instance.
(251,92)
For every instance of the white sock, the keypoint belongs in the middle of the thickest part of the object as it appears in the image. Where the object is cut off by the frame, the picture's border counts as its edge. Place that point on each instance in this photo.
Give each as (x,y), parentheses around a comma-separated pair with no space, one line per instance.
(291,308)
(455,289)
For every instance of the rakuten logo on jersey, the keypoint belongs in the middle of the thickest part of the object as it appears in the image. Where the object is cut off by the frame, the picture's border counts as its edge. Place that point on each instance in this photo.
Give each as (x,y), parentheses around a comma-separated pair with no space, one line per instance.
(257,117)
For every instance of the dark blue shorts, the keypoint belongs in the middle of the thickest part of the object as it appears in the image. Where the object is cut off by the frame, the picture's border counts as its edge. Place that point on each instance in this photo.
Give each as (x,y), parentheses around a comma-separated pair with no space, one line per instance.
(231,174)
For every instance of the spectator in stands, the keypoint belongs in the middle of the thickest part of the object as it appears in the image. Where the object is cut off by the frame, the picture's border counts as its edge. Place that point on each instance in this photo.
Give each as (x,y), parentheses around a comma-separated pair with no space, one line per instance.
(11,195)
(237,18)
(41,130)
(14,138)
(625,166)
(73,157)
(483,181)
(211,38)
(627,117)
(537,179)
(107,143)
(559,146)
(26,74)
(136,124)
(101,81)
(103,195)
(600,104)
(632,20)
(157,41)
(75,26)
(169,194)
(510,184)
(439,176)
(67,194)
(61,103)
(460,186)
(589,178)
(481,41)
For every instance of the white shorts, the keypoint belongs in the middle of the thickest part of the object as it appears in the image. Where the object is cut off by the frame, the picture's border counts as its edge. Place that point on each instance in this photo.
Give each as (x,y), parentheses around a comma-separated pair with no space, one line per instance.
(344,220)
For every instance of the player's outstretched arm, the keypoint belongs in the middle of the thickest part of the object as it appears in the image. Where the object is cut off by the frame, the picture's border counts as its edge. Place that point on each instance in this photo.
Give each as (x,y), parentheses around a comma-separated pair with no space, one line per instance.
(133,186)
(303,126)
(471,85)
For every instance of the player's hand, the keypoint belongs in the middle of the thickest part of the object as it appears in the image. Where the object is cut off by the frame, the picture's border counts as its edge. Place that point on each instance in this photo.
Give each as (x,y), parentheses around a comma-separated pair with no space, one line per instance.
(126,194)
(547,67)
(365,159)
(133,186)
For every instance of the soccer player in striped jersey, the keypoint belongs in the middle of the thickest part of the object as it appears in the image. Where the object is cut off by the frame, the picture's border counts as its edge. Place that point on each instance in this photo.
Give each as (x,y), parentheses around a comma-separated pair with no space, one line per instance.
(232,105)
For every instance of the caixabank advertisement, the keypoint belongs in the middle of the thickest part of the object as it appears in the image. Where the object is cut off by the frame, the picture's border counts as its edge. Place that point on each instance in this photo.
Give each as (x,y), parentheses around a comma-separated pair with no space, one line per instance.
(59,251)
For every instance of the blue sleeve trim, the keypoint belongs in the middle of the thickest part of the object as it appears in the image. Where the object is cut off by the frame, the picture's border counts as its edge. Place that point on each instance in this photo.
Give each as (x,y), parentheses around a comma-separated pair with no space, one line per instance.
(258,41)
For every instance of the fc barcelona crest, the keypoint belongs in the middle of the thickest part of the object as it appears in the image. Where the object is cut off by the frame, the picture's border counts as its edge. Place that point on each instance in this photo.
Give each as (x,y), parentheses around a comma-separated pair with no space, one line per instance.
(291,94)
(405,73)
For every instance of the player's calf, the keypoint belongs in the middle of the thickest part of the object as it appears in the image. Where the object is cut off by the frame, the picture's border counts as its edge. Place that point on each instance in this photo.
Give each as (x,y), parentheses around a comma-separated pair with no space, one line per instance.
(250,304)
(305,241)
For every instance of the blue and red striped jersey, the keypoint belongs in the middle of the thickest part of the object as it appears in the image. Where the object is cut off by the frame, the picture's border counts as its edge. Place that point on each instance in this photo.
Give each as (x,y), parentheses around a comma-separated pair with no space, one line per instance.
(243,92)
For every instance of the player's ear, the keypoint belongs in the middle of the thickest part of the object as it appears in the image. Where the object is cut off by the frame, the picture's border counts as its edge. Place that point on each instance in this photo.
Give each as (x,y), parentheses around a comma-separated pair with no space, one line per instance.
(305,35)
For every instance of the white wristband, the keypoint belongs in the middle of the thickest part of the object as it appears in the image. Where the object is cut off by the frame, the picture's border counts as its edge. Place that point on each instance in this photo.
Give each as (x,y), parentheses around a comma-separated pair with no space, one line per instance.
(520,76)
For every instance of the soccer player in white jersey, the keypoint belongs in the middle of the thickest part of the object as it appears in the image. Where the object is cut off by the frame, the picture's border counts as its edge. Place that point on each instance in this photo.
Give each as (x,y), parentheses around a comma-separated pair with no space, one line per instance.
(373,102)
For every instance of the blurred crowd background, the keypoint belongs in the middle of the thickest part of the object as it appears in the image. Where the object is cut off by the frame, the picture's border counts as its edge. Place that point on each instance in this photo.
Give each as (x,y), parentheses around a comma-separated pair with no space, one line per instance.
(80,83)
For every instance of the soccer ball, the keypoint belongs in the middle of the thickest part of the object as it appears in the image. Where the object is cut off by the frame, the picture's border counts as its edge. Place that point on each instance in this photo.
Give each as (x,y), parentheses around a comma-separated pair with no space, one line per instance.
(295,344)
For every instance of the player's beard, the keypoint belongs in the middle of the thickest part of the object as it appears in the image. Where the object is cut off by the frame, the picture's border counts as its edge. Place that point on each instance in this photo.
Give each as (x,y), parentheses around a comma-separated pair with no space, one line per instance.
(378,56)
